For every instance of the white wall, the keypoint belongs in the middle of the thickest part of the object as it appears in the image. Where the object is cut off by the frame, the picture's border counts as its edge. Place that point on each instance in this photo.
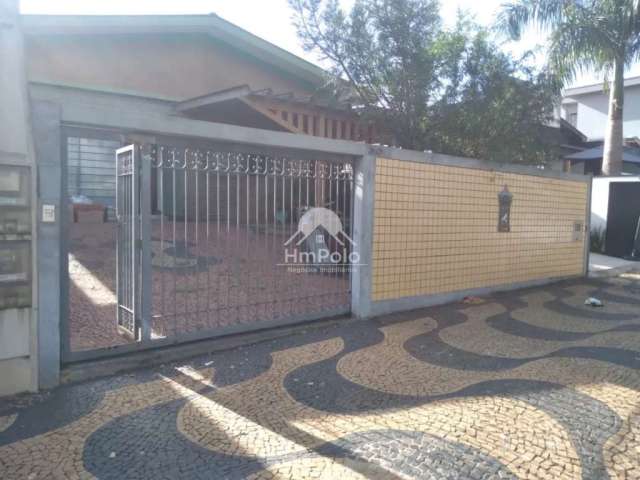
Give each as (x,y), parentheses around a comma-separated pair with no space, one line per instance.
(16,366)
(593,109)
(600,200)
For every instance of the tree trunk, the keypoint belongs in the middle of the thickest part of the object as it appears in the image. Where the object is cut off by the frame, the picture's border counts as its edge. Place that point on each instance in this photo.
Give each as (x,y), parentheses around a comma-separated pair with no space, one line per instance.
(613,139)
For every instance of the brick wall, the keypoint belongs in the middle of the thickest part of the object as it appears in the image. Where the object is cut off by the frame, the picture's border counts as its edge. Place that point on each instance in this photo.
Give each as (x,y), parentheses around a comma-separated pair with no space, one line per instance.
(436,229)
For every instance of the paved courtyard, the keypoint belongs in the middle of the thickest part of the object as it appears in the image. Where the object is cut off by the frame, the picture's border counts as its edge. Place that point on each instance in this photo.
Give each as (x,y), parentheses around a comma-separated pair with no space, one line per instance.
(201,285)
(531,384)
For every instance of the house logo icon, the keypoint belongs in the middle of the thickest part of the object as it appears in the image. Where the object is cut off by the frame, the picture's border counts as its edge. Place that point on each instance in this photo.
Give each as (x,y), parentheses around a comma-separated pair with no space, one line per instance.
(315,254)
(316,218)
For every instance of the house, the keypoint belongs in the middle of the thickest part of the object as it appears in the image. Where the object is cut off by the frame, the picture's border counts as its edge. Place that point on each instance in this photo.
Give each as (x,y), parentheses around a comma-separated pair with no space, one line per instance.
(615,208)
(154,114)
(193,66)
(589,160)
(586,108)
(568,140)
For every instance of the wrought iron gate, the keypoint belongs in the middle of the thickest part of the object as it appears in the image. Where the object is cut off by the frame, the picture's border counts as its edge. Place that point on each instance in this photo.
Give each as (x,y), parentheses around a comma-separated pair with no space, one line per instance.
(128,251)
(218,226)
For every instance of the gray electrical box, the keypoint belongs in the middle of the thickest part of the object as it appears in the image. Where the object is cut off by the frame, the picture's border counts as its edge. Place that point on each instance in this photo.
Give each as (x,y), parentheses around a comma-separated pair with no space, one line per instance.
(15,237)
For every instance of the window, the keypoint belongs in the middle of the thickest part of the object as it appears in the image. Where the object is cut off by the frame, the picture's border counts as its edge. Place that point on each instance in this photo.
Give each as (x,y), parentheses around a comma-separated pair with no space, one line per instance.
(573,119)
(91,168)
(571,113)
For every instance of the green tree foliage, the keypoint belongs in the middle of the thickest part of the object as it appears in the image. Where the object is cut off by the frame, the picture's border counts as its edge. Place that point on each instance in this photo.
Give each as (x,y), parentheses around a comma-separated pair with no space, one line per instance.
(493,107)
(599,35)
(446,90)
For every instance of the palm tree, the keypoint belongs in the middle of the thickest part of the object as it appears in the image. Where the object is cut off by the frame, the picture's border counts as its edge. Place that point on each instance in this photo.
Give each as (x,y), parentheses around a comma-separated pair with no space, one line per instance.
(598,35)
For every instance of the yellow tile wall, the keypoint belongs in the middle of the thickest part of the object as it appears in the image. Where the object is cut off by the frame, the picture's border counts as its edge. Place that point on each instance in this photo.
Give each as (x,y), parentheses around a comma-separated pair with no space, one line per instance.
(435,229)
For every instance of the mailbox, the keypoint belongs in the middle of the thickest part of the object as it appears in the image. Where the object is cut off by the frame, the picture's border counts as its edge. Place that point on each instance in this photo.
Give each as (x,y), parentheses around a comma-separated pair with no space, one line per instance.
(15,186)
(15,274)
(505,198)
(15,237)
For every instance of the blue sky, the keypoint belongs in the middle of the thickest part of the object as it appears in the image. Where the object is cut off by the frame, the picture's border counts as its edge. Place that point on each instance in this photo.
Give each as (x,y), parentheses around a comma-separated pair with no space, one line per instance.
(271,19)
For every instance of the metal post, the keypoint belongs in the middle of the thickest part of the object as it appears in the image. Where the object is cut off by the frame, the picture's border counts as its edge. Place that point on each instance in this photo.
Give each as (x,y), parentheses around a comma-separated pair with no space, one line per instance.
(147,151)
(587,228)
(363,213)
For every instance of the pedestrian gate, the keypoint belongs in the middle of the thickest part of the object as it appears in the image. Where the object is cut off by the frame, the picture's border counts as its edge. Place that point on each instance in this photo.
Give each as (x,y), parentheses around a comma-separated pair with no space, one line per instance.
(128,220)
(216,241)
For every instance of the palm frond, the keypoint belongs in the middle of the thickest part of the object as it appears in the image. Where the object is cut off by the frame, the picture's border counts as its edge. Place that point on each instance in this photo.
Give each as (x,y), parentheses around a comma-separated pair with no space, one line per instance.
(578,47)
(516,15)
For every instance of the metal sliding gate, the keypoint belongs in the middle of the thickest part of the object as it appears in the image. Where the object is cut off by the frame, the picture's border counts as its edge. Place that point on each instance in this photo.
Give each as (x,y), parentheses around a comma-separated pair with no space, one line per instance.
(219,241)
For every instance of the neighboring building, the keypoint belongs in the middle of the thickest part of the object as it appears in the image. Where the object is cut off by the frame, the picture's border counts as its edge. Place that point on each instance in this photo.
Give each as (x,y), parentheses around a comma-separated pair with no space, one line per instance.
(600,199)
(589,161)
(19,357)
(568,139)
(586,108)
(615,216)
(614,201)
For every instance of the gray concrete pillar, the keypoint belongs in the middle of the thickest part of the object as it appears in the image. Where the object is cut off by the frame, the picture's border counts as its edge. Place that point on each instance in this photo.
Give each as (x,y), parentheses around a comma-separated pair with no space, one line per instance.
(363,212)
(46,138)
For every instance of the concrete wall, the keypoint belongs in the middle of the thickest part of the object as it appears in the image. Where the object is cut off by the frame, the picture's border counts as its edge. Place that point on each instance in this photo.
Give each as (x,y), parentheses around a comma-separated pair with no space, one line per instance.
(435,230)
(17,372)
(18,327)
(593,109)
(600,200)
(175,67)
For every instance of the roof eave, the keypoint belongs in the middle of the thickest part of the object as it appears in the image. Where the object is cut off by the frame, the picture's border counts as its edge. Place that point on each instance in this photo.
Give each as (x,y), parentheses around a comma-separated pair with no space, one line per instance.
(564,123)
(211,25)
(233,93)
(597,87)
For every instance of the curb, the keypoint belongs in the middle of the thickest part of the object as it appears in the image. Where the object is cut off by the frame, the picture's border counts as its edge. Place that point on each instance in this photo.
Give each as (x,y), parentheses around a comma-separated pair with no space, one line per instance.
(130,362)
(614,272)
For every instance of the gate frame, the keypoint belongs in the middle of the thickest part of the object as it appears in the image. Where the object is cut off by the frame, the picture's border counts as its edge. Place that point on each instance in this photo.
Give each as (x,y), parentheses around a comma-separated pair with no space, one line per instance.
(144,342)
(63,132)
(133,218)
(145,171)
(141,242)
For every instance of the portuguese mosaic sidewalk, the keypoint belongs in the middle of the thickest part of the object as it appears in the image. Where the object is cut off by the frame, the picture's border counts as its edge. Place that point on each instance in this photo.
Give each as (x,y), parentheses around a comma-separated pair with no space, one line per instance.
(531,384)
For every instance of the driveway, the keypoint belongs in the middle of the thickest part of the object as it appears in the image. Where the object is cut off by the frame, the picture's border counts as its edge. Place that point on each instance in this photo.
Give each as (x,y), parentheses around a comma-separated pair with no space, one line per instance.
(530,384)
